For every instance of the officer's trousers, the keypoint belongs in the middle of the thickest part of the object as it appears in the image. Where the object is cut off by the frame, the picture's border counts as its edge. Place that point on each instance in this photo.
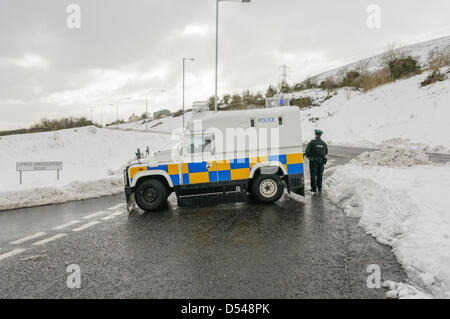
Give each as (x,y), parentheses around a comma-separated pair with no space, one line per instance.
(316,167)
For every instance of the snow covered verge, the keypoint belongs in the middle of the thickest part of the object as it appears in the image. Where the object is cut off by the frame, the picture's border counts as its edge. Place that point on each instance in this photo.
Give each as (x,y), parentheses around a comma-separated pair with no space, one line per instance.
(404,205)
(93,161)
(401,114)
(164,125)
(60,194)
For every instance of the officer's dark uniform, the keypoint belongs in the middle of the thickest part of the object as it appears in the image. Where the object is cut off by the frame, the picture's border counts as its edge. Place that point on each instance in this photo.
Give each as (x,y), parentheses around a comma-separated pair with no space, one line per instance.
(316,151)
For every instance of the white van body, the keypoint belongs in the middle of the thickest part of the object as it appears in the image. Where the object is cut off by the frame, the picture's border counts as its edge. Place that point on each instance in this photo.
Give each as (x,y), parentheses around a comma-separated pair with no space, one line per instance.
(221,157)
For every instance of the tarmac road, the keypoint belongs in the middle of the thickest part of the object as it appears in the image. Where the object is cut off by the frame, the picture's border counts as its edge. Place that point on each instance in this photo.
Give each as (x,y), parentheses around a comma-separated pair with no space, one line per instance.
(296,248)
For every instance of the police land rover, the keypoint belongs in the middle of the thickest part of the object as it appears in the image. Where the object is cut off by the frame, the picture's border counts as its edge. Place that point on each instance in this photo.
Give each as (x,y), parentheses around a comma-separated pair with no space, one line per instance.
(229,156)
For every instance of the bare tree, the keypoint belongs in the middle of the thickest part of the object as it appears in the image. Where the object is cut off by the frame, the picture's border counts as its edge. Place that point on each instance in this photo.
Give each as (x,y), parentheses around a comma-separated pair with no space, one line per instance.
(392,53)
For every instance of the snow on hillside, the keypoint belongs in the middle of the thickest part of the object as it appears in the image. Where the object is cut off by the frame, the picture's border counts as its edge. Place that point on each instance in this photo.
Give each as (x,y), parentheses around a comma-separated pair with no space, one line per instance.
(420,51)
(398,113)
(93,162)
(164,125)
(405,208)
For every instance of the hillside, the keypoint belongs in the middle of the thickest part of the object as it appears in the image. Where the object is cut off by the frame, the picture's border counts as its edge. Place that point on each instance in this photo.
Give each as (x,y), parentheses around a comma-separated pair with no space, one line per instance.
(400,113)
(163,125)
(420,51)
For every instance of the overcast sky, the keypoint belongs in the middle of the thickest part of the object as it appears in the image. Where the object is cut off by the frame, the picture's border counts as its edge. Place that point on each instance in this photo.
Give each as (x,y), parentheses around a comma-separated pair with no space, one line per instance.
(126,47)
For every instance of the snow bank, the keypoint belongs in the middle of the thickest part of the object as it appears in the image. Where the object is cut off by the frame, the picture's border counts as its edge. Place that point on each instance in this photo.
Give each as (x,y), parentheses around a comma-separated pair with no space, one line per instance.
(392,157)
(53,195)
(164,125)
(398,114)
(93,161)
(405,208)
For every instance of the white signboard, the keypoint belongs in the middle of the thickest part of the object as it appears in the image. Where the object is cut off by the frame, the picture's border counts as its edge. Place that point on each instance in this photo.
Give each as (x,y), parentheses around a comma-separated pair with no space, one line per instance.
(38,166)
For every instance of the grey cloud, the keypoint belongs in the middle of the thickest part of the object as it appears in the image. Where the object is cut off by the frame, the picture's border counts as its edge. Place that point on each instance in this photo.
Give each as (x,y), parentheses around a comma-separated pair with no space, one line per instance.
(139,37)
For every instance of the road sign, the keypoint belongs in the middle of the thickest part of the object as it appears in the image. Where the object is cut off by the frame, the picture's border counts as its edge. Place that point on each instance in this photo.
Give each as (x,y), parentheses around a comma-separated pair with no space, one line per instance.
(39,166)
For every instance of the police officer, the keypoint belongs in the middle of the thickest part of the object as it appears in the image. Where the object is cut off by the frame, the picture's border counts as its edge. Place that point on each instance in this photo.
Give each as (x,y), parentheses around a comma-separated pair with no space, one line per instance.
(316,151)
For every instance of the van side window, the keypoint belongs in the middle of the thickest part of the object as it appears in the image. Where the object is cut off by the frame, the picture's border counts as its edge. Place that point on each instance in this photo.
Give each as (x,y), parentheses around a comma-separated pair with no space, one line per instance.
(207,144)
(201,144)
(196,144)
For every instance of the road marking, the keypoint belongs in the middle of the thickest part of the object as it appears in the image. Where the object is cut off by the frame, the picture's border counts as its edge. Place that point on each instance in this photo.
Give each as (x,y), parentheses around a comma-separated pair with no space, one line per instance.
(117,206)
(95,214)
(86,225)
(73,222)
(12,253)
(47,240)
(112,215)
(22,240)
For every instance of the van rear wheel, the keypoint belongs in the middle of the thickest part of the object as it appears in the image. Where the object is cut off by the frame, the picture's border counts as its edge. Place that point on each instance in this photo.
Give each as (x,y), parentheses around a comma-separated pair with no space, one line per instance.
(151,195)
(267,188)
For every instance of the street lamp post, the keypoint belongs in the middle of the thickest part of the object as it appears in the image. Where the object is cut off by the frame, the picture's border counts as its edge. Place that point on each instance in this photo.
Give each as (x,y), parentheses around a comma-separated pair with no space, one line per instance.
(217,45)
(118,100)
(184,68)
(146,106)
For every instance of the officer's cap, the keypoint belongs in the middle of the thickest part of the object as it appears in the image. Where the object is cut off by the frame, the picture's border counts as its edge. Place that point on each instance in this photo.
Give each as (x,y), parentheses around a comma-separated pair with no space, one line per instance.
(318,132)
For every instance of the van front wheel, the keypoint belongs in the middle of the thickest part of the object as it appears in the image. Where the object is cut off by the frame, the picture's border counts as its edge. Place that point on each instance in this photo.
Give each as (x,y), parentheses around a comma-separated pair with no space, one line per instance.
(151,195)
(267,188)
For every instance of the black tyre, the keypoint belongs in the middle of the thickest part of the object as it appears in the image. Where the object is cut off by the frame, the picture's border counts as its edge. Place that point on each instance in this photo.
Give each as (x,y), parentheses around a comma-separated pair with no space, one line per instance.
(267,188)
(151,195)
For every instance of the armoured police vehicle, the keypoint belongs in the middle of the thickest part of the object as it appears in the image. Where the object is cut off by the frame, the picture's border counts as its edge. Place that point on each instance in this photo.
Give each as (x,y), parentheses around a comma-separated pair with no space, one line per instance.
(229,156)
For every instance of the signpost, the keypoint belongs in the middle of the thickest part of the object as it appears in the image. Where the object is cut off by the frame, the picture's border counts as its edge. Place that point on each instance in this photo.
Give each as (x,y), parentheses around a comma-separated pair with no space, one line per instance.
(39,166)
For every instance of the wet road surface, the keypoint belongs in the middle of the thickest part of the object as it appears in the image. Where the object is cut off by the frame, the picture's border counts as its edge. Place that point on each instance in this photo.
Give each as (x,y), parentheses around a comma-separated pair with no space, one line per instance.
(296,248)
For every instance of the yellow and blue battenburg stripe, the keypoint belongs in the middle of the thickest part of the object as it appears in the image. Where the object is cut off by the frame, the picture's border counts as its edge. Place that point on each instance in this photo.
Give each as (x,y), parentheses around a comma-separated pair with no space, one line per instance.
(221,171)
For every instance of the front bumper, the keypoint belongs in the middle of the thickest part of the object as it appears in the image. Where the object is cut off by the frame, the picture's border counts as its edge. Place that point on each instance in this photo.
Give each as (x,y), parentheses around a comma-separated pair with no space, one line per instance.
(127,188)
(128,192)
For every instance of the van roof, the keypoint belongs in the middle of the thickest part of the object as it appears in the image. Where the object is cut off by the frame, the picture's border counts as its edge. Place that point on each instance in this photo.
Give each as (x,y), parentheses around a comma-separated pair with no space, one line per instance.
(237,118)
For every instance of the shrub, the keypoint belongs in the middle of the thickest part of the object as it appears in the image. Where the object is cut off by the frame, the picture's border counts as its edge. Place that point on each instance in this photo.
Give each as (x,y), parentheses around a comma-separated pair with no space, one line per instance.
(211,103)
(391,54)
(46,125)
(302,102)
(226,99)
(438,59)
(351,79)
(178,113)
(432,78)
(236,99)
(352,75)
(298,87)
(328,84)
(270,91)
(116,122)
(64,123)
(285,88)
(310,83)
(403,67)
(369,81)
